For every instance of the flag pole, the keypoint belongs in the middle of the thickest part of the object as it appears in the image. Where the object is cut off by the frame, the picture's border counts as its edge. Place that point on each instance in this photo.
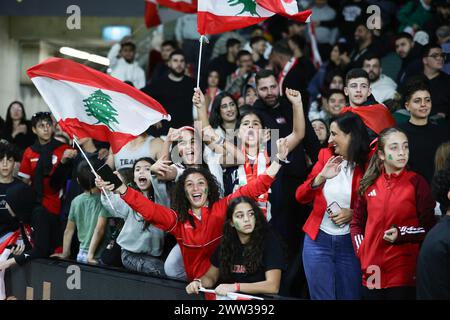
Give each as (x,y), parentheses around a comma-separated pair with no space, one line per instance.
(75,140)
(202,38)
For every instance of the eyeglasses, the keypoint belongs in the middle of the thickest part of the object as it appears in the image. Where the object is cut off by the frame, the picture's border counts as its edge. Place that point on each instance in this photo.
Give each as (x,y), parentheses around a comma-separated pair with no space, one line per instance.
(437,55)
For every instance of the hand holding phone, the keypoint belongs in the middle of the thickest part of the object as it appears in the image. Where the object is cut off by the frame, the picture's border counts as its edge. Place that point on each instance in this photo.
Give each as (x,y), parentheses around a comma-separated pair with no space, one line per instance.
(106,173)
(333,208)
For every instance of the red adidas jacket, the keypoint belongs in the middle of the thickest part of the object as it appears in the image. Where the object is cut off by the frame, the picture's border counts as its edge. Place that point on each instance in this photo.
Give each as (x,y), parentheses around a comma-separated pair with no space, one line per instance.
(403,201)
(197,245)
(306,194)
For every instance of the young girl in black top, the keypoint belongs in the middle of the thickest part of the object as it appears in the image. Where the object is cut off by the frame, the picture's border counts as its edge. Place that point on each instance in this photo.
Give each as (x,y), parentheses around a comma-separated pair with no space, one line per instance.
(250,257)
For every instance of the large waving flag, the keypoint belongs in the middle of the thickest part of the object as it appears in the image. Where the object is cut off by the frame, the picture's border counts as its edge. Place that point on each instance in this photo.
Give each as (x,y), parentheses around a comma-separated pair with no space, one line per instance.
(225,15)
(151,14)
(89,103)
(186,6)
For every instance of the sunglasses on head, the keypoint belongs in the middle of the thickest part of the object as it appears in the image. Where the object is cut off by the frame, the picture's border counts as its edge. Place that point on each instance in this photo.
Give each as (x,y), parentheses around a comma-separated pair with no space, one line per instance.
(41,114)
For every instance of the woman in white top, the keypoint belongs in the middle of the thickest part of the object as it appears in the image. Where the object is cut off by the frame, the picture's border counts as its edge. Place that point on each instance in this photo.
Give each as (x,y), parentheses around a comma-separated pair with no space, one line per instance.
(331,266)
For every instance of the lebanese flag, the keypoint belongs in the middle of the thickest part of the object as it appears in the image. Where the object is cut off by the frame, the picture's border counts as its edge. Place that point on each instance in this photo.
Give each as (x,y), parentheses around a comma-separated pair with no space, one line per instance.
(287,8)
(89,103)
(151,14)
(186,6)
(218,16)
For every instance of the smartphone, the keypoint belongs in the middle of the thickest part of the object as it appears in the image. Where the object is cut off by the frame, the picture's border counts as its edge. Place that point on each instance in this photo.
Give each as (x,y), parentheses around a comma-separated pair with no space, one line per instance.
(334,207)
(108,175)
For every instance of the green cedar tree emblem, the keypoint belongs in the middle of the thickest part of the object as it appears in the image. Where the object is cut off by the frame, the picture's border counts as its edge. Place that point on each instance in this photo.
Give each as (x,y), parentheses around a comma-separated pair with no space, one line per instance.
(98,105)
(249,6)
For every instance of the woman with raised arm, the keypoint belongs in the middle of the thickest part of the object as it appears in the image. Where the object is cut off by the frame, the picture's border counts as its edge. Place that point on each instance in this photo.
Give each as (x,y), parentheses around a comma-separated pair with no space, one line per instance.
(198,214)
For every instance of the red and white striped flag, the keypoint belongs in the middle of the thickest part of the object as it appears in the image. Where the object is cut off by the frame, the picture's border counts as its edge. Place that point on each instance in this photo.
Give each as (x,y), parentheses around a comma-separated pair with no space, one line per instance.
(89,103)
(226,15)
(151,14)
(315,54)
(186,6)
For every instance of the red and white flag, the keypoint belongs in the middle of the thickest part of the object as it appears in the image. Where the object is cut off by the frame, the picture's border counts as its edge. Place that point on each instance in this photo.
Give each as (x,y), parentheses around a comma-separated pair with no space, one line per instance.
(89,103)
(315,54)
(226,15)
(287,8)
(186,6)
(151,14)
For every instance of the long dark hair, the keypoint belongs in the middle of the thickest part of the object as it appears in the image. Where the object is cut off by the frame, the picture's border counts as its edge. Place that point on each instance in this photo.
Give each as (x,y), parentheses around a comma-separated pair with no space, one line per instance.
(254,249)
(180,202)
(215,119)
(358,148)
(376,164)
(134,185)
(9,122)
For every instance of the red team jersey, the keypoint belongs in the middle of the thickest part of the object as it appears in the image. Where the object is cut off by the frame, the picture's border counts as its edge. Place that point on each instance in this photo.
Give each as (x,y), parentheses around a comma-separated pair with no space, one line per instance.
(50,198)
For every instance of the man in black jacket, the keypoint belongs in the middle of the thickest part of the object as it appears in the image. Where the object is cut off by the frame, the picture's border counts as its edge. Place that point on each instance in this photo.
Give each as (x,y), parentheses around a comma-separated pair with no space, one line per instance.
(410,52)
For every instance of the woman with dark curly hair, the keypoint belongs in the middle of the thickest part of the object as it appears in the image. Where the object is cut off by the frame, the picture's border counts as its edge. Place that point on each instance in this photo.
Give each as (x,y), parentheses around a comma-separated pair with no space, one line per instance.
(198,214)
(250,257)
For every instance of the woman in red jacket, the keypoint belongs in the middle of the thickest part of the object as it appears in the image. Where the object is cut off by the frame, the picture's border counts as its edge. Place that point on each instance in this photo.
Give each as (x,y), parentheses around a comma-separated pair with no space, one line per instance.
(331,267)
(392,215)
(198,214)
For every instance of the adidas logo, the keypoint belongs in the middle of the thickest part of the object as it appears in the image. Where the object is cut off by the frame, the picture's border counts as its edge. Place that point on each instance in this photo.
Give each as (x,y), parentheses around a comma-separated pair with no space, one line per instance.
(372,193)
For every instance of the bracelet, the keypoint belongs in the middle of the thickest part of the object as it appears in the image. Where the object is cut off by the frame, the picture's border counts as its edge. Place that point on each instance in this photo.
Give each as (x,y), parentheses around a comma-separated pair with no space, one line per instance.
(282,160)
(238,286)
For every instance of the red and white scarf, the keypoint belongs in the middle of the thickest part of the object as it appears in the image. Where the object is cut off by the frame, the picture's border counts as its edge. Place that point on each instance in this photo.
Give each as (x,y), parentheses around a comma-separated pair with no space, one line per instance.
(247,173)
(287,67)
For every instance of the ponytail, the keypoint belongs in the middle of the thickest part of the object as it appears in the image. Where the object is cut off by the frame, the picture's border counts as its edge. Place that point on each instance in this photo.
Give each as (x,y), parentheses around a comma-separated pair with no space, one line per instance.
(371,175)
(375,166)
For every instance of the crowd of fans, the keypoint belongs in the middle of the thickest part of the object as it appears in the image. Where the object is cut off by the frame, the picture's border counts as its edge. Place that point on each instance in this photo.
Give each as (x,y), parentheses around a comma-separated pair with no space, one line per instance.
(316,181)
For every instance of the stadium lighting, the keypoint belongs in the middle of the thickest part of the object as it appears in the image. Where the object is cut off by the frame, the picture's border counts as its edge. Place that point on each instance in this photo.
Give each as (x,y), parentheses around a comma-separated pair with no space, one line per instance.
(84,55)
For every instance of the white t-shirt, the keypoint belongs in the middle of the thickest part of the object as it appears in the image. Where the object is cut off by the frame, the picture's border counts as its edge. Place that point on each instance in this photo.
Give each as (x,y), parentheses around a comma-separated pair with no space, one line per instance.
(338,189)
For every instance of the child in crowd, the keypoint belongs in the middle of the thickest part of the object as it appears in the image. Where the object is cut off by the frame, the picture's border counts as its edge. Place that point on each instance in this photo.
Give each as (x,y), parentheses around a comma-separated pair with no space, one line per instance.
(250,257)
(141,243)
(8,225)
(44,164)
(89,218)
(394,212)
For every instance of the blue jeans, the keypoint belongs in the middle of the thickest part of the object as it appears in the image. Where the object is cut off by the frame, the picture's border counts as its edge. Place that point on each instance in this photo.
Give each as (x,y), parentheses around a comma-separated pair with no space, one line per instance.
(332,269)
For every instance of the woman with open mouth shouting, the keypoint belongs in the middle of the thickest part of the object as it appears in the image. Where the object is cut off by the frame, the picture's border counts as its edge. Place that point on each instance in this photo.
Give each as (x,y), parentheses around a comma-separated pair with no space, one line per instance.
(141,243)
(198,214)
